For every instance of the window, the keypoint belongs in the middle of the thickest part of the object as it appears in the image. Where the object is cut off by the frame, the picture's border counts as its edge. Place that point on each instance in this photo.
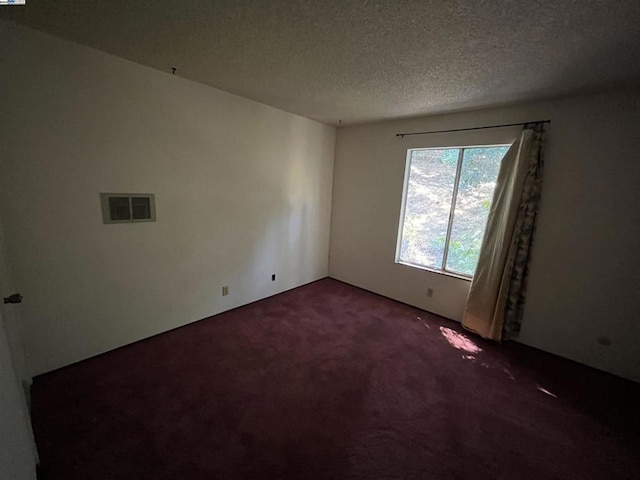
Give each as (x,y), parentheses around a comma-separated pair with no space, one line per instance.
(446,201)
(128,207)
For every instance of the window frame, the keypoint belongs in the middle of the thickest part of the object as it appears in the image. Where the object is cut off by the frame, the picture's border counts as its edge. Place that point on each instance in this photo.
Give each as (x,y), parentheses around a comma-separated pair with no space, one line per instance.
(405,188)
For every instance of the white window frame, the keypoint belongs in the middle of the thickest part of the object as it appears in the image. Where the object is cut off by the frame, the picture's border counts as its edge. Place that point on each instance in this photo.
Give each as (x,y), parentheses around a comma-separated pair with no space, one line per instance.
(405,187)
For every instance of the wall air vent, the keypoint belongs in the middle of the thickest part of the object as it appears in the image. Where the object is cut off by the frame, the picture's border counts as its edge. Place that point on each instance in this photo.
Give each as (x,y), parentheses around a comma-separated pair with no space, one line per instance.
(128,207)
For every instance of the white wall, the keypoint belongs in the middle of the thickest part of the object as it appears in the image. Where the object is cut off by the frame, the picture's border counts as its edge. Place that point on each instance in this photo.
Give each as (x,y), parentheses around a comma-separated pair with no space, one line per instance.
(17,461)
(585,272)
(18,453)
(242,190)
(13,323)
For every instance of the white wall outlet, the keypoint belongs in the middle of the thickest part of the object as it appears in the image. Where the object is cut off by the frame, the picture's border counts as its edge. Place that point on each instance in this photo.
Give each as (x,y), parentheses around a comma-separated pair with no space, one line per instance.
(429,292)
(225,290)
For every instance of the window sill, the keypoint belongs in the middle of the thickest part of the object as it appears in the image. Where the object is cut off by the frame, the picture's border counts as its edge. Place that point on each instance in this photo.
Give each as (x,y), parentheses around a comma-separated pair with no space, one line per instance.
(439,272)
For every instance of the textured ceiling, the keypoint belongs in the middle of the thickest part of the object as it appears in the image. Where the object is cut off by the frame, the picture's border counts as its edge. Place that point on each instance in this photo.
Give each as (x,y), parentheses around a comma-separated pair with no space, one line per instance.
(359,61)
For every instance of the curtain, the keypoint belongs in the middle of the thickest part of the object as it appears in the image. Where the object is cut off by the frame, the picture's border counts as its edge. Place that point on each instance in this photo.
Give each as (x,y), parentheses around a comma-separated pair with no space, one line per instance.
(496,299)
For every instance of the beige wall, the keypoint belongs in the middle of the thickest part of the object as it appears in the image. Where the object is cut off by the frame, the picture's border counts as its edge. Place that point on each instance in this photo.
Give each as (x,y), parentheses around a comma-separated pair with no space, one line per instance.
(584,280)
(242,190)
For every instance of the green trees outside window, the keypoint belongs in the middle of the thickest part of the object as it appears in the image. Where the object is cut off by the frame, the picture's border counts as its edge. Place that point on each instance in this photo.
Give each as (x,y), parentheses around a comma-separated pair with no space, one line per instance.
(448,195)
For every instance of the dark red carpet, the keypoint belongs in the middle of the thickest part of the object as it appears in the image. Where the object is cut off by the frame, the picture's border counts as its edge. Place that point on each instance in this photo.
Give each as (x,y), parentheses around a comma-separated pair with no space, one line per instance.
(331,382)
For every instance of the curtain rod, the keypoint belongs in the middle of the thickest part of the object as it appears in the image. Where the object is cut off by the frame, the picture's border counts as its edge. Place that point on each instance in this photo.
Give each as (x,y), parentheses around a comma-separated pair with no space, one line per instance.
(471,128)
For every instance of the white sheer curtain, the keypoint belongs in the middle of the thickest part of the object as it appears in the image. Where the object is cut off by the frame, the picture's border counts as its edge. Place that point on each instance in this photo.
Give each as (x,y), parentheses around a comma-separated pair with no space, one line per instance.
(496,298)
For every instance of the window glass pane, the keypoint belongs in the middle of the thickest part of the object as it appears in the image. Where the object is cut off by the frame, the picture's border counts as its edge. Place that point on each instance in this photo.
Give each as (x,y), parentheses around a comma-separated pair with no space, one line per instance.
(428,203)
(478,176)
(141,208)
(119,208)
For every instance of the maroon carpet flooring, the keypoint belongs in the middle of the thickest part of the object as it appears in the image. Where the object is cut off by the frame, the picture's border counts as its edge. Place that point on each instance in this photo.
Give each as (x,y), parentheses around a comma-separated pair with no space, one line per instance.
(328,381)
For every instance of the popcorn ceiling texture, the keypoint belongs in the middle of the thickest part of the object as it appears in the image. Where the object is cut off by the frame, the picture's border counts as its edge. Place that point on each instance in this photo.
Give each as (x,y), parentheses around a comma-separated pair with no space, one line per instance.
(360,61)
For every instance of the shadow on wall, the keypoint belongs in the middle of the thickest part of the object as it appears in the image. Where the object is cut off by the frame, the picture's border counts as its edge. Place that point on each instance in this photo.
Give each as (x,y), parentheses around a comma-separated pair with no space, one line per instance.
(290,240)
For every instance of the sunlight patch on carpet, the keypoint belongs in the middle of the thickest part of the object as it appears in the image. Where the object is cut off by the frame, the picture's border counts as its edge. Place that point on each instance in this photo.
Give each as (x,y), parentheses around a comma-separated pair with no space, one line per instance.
(424,323)
(544,390)
(459,341)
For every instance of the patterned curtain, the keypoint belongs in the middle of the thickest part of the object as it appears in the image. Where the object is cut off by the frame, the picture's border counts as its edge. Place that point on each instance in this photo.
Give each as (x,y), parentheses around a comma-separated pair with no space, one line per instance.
(497,296)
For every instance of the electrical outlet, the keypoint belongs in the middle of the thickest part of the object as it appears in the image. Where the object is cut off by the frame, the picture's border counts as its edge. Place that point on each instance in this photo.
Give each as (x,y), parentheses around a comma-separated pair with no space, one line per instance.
(225,290)
(273,277)
(429,292)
